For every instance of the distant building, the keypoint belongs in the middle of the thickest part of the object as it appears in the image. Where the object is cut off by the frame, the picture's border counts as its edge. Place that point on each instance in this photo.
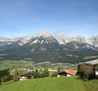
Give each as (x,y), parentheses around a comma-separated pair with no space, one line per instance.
(93,62)
(71,72)
(23,78)
(26,76)
(67,73)
(63,73)
(23,68)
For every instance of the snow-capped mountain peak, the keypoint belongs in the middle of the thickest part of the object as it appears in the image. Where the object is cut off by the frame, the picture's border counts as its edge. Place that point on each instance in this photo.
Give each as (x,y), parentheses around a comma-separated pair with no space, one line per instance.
(80,39)
(22,40)
(63,38)
(4,39)
(47,37)
(45,34)
(49,47)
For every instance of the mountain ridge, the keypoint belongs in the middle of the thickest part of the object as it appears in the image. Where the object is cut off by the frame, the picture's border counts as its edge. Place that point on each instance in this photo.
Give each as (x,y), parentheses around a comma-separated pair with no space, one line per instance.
(61,38)
(47,47)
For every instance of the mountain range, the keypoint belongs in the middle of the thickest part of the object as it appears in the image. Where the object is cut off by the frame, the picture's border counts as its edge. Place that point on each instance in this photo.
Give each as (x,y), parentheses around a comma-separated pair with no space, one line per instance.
(48,47)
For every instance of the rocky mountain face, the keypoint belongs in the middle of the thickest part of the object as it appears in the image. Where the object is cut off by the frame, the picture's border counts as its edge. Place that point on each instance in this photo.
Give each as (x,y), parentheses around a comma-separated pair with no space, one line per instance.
(47,47)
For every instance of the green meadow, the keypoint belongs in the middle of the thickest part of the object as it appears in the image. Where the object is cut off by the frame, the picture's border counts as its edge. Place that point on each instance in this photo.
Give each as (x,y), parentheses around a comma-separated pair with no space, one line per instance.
(51,84)
(11,63)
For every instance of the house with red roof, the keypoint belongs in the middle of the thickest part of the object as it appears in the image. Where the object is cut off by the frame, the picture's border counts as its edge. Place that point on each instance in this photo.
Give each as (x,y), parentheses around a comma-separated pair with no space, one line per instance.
(70,72)
(67,73)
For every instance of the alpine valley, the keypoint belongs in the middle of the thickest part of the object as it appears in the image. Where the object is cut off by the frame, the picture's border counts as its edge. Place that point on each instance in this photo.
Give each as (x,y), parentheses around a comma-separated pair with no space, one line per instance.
(48,47)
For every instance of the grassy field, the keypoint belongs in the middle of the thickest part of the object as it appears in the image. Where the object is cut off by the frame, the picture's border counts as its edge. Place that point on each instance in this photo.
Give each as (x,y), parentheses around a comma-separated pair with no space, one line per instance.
(51,84)
(11,63)
(91,85)
(18,63)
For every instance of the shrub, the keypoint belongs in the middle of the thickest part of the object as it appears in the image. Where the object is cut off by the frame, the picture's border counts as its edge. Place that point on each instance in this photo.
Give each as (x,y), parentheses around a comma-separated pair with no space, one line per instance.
(41,74)
(36,74)
(45,73)
(16,76)
(5,75)
(54,74)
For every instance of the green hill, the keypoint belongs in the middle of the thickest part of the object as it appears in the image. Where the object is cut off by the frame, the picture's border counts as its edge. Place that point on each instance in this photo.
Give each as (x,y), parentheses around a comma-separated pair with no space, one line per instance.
(51,84)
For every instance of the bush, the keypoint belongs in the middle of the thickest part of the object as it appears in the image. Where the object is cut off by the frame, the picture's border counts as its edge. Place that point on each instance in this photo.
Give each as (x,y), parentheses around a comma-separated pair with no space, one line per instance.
(45,73)
(41,74)
(36,74)
(5,75)
(54,74)
(16,76)
(6,78)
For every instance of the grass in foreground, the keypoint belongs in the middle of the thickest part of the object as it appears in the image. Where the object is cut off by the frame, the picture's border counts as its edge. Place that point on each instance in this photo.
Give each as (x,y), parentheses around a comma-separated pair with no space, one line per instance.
(45,84)
(91,85)
(51,84)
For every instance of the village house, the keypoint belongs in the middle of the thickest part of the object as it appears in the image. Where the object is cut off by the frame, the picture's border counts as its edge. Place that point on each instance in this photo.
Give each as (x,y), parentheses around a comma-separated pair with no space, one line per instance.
(67,73)
(23,78)
(26,76)
(24,68)
(95,64)
(71,72)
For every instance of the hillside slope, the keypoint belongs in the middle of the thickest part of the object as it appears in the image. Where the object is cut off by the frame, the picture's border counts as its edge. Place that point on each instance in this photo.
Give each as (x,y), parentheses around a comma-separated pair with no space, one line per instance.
(45,84)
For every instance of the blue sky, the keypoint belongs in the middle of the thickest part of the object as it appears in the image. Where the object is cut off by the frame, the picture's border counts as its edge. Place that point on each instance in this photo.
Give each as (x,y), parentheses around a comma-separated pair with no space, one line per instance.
(27,17)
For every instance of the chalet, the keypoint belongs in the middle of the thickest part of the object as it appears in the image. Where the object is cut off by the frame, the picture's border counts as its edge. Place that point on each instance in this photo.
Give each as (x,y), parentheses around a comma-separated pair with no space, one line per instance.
(88,70)
(23,78)
(67,73)
(95,64)
(26,76)
(71,72)
(63,73)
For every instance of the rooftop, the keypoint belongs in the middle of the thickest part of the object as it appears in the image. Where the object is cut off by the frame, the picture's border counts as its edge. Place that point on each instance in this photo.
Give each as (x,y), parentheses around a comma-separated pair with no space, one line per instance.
(71,72)
(93,62)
